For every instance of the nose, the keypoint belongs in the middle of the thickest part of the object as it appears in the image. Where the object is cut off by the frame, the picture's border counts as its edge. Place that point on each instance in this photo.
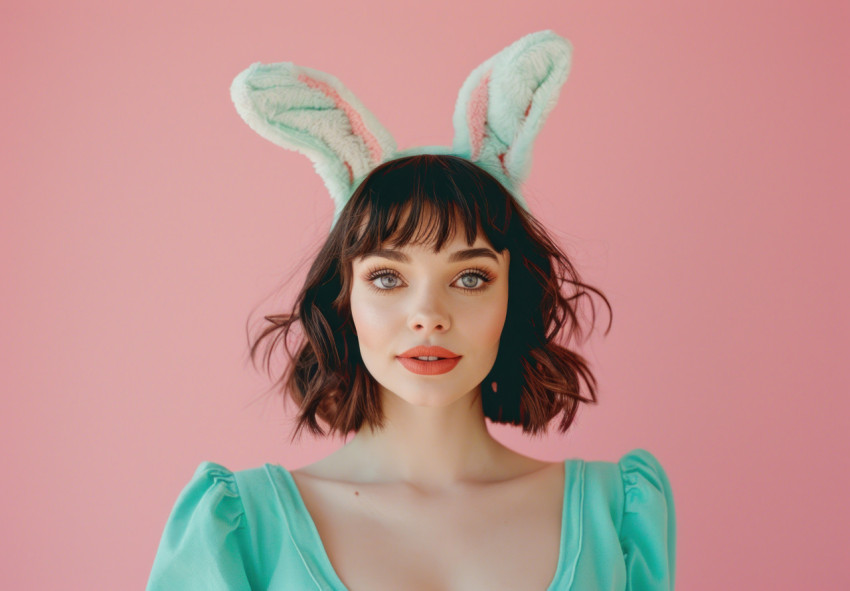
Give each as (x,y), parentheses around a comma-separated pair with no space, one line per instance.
(429,313)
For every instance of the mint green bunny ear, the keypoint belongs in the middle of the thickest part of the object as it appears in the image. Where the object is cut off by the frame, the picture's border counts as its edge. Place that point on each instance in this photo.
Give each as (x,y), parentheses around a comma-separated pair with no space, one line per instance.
(502,105)
(313,113)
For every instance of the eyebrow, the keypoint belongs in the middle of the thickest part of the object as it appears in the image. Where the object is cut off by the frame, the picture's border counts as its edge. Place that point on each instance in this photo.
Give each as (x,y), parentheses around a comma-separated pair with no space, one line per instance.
(460,255)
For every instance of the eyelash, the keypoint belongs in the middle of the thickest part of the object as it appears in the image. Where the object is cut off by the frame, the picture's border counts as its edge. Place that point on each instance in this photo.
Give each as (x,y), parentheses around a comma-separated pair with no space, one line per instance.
(485,276)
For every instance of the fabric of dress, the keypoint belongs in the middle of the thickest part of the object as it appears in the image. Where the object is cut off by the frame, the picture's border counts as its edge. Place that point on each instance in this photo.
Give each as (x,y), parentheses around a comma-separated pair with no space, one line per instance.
(250,530)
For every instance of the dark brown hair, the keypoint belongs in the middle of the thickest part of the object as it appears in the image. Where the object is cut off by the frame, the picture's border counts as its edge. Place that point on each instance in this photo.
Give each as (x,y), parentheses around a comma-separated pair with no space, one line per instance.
(421,199)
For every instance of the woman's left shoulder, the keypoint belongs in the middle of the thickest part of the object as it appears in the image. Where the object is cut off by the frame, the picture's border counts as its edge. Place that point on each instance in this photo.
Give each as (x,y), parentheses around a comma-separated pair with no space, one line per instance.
(645,482)
(635,491)
(636,467)
(636,483)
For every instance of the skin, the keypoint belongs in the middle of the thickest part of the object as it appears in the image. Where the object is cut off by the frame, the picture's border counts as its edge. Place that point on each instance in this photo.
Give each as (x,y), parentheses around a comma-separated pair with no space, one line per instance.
(432,501)
(435,437)
(435,432)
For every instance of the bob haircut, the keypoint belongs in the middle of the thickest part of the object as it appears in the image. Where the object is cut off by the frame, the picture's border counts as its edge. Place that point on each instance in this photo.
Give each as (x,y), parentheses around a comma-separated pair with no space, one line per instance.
(424,199)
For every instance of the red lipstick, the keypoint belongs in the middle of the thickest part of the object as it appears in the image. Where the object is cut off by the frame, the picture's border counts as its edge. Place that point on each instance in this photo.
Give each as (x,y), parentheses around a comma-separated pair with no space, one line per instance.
(445,360)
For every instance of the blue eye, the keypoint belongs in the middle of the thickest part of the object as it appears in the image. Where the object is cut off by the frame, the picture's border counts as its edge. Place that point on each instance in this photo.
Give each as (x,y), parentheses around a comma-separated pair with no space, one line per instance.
(474,280)
(388,281)
(471,280)
(383,280)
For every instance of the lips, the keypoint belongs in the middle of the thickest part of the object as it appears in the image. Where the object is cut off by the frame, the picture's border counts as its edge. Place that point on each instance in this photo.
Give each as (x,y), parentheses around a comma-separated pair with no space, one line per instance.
(445,362)
(430,352)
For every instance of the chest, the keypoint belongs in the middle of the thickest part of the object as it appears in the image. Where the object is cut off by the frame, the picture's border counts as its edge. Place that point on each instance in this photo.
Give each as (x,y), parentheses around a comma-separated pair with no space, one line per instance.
(493,537)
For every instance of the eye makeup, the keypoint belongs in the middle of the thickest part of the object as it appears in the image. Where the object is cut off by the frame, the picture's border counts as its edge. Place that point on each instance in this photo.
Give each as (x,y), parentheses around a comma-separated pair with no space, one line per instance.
(376,274)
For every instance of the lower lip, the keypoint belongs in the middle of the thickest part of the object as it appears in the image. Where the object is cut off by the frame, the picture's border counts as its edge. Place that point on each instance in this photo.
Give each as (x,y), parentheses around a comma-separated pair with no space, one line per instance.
(428,368)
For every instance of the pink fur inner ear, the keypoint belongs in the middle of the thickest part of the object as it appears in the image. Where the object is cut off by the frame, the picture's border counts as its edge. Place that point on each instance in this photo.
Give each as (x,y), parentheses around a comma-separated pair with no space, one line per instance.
(357,126)
(476,115)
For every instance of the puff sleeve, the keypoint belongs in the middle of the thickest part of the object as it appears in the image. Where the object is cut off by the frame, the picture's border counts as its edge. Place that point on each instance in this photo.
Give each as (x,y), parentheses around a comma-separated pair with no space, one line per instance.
(648,530)
(204,541)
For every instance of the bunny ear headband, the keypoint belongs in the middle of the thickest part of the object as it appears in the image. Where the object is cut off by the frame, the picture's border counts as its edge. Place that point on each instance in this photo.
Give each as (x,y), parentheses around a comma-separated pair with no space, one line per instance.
(499,112)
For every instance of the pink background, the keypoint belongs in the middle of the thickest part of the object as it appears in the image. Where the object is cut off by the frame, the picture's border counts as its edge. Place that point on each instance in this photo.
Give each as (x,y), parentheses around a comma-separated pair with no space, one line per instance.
(696,167)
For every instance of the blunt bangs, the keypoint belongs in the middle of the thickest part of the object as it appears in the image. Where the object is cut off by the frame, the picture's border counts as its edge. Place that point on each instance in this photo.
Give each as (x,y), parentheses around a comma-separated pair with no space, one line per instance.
(425,200)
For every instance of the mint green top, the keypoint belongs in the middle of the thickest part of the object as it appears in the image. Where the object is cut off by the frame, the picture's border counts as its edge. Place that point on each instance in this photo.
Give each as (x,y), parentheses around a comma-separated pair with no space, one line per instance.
(251,530)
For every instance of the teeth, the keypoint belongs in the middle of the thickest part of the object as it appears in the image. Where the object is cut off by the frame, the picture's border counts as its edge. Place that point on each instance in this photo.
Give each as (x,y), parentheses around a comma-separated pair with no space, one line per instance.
(427,358)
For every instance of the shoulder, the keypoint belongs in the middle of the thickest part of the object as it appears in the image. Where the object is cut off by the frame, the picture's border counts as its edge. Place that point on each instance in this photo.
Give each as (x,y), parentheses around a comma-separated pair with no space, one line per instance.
(635,491)
(207,526)
(218,483)
(634,487)
(212,489)
(634,470)
(232,500)
(643,479)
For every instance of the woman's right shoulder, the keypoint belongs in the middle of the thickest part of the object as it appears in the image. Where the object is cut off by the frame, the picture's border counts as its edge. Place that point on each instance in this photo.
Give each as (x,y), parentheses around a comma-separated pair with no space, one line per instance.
(206,526)
(212,487)
(231,487)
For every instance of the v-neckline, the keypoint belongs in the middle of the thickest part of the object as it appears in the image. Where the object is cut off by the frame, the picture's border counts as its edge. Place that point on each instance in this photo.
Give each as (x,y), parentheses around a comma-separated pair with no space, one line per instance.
(318,563)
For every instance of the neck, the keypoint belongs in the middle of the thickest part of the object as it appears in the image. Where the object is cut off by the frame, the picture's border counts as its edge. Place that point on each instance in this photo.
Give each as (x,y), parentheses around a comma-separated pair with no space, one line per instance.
(430,447)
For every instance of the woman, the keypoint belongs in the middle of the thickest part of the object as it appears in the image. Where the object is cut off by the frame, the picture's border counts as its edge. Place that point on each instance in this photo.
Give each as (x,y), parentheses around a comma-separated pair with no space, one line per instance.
(437,301)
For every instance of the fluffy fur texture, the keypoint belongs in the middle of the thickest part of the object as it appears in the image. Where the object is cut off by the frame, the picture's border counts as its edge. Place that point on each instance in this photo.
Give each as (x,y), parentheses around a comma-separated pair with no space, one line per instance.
(499,112)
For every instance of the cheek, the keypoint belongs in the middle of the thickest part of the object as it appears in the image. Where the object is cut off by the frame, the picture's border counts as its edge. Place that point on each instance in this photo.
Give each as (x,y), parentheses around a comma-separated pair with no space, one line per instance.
(499,311)
(372,318)
(492,326)
(485,321)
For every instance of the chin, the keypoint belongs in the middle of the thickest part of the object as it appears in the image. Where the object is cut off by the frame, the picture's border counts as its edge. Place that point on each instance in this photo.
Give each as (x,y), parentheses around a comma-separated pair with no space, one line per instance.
(431,397)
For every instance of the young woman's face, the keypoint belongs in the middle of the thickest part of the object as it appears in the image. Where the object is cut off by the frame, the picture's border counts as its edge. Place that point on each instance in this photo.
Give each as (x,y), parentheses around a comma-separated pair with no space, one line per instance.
(412,297)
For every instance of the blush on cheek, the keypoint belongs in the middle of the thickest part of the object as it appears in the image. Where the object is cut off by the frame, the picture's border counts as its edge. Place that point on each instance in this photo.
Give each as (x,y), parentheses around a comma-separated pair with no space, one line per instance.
(493,322)
(372,319)
(487,334)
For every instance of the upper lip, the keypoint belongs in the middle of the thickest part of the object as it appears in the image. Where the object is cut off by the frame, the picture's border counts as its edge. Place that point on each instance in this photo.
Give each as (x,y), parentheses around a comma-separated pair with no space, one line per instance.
(429,352)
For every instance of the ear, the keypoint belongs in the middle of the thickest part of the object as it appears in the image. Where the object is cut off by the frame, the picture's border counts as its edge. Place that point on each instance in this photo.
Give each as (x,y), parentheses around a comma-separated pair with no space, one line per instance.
(313,113)
(502,105)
